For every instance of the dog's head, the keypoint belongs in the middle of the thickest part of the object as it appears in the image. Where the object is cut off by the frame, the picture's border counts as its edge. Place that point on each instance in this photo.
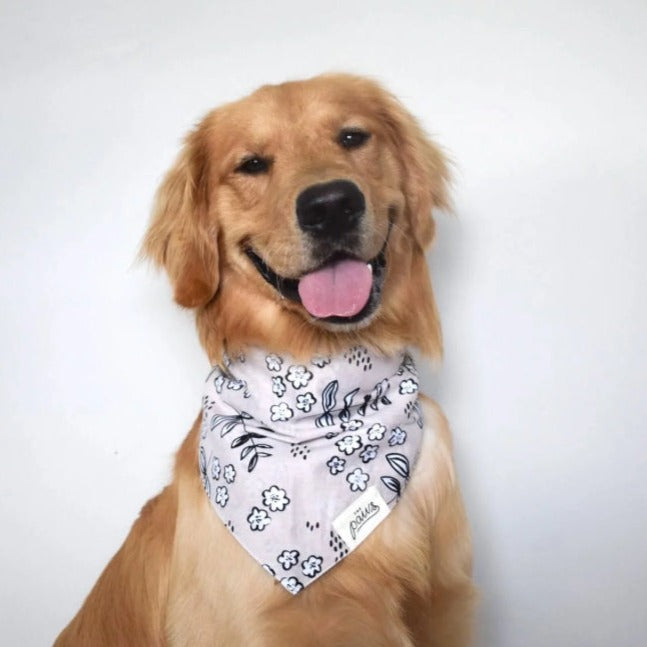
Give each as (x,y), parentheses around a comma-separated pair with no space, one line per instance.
(297,219)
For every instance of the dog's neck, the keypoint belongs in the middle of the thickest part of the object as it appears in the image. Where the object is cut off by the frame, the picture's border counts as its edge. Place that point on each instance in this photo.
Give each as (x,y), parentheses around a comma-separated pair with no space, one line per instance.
(306,458)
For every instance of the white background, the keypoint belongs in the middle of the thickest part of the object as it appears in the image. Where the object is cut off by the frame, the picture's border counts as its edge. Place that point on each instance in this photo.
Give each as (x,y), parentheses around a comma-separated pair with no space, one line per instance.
(541,281)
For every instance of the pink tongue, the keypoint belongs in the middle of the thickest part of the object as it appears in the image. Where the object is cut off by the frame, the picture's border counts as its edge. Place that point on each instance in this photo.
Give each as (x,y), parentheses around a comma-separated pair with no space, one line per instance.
(341,289)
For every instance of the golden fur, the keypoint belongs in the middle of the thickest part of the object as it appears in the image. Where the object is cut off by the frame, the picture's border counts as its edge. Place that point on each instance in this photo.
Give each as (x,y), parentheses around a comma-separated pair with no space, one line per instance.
(180,578)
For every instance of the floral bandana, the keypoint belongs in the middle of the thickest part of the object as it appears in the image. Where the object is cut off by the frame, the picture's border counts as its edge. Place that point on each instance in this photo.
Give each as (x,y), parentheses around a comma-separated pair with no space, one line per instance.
(302,461)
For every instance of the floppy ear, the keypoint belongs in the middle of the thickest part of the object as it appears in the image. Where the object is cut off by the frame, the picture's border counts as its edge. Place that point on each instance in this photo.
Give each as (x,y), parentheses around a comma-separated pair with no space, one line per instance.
(180,237)
(426,175)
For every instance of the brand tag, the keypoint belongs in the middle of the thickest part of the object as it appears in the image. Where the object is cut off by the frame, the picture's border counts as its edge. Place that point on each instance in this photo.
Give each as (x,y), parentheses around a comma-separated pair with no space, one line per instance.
(361,517)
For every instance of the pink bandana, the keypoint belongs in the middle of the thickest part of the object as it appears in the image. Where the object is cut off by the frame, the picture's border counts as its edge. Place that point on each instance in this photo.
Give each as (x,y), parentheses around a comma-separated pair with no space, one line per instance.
(302,461)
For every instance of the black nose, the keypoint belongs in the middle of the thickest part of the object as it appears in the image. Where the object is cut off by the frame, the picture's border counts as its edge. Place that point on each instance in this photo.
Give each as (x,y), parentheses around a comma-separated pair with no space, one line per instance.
(330,209)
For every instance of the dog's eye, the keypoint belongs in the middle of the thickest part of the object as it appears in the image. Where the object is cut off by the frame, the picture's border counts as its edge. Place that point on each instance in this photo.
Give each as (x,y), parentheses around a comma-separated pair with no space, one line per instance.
(254,165)
(352,138)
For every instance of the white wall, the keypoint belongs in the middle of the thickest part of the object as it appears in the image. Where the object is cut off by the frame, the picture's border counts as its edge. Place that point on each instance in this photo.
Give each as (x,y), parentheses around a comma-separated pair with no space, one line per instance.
(541,281)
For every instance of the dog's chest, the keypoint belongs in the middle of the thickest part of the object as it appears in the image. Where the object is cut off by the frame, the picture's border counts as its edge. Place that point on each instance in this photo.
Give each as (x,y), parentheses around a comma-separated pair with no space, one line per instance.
(232,600)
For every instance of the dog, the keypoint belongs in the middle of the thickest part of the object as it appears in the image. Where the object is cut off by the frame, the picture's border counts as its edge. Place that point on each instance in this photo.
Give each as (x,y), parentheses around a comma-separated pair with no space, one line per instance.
(294,224)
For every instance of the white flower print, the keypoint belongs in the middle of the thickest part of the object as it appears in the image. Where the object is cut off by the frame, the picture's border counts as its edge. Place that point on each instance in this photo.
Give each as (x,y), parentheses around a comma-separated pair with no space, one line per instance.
(222,496)
(236,385)
(298,376)
(281,412)
(219,382)
(275,498)
(311,566)
(230,473)
(291,584)
(351,425)
(320,361)
(397,436)
(348,444)
(357,480)
(367,454)
(278,385)
(336,464)
(288,558)
(215,468)
(376,431)
(273,362)
(305,401)
(258,519)
(408,386)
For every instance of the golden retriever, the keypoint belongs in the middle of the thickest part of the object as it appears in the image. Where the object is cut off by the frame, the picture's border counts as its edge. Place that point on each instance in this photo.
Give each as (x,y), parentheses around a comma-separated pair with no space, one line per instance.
(229,230)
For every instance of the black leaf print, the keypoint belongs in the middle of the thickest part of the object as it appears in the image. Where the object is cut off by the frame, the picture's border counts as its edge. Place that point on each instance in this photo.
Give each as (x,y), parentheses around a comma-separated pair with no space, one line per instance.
(253,450)
(362,408)
(328,402)
(329,395)
(206,482)
(409,365)
(392,484)
(247,440)
(241,440)
(413,411)
(344,416)
(271,431)
(399,463)
(382,390)
(376,397)
(229,423)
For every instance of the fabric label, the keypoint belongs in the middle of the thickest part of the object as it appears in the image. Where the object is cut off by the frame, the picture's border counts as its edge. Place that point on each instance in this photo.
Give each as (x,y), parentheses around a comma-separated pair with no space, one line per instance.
(361,517)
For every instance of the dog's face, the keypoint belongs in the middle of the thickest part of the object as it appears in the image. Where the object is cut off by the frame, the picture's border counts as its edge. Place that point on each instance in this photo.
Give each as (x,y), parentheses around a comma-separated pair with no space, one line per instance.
(297,217)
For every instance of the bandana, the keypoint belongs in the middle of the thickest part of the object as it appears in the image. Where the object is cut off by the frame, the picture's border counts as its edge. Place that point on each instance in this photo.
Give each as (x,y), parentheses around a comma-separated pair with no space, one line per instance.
(302,461)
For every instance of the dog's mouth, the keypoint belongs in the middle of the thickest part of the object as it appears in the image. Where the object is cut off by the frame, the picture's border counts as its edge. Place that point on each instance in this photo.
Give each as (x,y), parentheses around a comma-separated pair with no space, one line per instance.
(343,290)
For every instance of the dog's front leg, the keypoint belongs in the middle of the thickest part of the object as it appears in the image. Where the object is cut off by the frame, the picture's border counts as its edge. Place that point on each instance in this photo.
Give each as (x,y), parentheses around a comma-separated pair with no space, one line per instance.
(127,605)
(443,617)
